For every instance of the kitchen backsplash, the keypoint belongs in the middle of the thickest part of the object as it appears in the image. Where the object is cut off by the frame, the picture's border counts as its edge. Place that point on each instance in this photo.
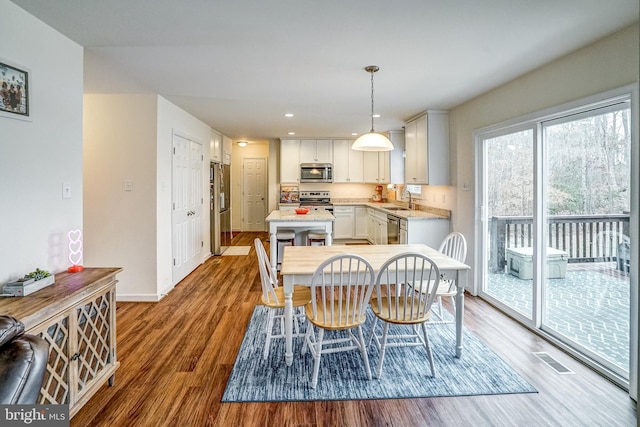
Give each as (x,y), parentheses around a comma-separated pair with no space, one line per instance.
(441,197)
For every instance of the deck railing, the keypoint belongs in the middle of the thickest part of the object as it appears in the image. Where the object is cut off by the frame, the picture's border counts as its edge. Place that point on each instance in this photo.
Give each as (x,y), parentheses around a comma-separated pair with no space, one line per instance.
(586,238)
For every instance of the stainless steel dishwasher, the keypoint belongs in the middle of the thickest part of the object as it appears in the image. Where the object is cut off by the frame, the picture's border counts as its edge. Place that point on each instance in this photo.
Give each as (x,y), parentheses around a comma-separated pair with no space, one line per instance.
(393,230)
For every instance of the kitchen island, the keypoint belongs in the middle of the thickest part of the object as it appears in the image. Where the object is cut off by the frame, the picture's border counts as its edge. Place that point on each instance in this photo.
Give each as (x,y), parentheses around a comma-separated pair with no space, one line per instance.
(320,220)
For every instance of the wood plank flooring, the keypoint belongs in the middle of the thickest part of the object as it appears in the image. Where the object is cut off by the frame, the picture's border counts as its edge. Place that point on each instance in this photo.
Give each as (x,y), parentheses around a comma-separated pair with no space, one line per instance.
(176,356)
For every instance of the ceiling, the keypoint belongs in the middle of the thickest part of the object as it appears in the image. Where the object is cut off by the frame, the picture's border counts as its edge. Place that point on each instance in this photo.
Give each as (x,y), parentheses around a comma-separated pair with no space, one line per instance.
(240,65)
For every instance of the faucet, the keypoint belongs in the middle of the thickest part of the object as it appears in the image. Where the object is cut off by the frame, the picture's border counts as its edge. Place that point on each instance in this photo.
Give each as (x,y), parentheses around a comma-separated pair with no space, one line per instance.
(406,191)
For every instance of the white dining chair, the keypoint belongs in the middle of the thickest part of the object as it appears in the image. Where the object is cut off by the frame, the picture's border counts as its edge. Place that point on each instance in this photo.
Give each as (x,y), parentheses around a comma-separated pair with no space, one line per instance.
(405,289)
(341,288)
(273,298)
(454,245)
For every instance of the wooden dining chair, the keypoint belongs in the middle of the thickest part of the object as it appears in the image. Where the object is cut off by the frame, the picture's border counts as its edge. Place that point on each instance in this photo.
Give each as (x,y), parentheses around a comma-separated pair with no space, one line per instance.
(340,288)
(403,298)
(273,298)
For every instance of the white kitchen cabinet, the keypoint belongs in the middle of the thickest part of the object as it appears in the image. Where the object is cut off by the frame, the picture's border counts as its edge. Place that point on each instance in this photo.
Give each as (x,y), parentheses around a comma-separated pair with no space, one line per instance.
(347,163)
(381,228)
(289,160)
(376,167)
(427,149)
(371,225)
(430,232)
(215,146)
(226,150)
(343,224)
(376,227)
(396,157)
(316,151)
(360,222)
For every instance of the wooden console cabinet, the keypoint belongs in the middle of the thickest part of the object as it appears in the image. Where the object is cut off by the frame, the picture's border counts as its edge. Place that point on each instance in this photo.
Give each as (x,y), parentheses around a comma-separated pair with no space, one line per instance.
(77,317)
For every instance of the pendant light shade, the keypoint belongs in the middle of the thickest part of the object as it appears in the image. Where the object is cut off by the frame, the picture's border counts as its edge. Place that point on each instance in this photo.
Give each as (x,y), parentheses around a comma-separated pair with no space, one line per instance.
(372,141)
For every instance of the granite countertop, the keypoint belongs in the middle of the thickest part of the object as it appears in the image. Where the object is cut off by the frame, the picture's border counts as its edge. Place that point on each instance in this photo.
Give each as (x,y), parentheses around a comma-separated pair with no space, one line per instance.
(398,209)
(291,215)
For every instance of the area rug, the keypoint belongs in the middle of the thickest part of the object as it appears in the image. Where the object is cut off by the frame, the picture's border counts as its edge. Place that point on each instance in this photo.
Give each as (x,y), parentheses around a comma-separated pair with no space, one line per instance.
(479,371)
(236,250)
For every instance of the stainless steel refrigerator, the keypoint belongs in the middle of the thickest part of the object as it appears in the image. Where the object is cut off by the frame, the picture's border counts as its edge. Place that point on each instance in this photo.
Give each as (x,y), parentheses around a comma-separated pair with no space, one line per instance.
(220,204)
(220,208)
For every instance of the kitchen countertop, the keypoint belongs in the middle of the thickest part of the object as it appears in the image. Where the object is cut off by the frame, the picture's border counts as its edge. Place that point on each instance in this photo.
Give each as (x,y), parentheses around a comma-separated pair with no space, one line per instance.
(291,215)
(424,213)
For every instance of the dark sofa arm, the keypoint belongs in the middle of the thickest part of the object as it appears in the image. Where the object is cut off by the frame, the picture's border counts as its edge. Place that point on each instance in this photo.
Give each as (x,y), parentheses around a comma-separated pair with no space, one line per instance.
(23,361)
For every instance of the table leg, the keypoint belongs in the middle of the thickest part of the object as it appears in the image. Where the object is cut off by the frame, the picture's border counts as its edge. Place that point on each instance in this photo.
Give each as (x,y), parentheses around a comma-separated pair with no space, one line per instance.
(328,238)
(288,320)
(460,283)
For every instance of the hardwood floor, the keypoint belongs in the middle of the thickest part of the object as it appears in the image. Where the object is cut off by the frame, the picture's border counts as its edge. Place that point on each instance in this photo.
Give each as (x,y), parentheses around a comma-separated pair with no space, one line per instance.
(176,356)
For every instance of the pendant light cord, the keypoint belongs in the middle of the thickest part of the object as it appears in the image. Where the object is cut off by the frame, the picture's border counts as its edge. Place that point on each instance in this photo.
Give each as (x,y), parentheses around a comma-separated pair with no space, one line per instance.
(372,71)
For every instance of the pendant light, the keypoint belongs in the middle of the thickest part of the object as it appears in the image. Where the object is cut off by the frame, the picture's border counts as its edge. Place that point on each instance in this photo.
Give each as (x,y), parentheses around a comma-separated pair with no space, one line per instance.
(372,141)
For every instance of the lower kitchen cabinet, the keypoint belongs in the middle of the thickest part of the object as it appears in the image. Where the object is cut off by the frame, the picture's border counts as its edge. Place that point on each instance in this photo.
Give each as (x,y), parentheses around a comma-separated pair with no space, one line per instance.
(343,224)
(430,232)
(77,317)
(360,222)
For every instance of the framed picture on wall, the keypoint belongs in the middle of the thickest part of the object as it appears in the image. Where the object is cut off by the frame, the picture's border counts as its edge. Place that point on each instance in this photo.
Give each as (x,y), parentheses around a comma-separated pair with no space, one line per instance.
(14,90)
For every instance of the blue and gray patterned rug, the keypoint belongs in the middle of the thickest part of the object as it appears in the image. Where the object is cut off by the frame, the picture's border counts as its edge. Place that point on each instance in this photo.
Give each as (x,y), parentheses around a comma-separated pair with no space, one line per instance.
(405,373)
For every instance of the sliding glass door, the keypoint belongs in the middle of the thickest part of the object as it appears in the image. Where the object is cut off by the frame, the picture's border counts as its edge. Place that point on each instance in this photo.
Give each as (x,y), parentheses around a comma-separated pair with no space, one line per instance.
(554,233)
(587,197)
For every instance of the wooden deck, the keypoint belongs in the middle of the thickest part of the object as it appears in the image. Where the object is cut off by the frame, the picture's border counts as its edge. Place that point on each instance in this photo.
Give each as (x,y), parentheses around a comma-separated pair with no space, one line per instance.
(176,356)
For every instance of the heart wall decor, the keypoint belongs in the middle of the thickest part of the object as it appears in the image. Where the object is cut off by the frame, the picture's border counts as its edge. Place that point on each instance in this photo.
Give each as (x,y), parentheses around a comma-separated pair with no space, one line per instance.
(75,250)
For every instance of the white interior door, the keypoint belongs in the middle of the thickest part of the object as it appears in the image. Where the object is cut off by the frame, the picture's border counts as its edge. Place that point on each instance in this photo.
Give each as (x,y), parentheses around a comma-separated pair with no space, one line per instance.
(187,207)
(254,194)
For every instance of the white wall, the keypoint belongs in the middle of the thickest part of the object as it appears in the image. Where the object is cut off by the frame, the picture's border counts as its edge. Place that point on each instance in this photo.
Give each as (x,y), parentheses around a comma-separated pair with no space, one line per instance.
(37,156)
(129,138)
(607,64)
(120,226)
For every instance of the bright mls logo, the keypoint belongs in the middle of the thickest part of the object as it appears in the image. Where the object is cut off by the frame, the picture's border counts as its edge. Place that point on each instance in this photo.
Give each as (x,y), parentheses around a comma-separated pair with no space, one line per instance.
(35,415)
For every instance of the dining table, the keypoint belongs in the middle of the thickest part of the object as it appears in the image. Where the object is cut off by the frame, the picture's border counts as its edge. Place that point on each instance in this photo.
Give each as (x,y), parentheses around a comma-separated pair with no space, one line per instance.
(299,263)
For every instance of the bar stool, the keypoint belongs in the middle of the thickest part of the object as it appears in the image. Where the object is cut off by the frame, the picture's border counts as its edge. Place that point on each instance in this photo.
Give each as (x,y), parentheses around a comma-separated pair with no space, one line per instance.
(284,238)
(316,237)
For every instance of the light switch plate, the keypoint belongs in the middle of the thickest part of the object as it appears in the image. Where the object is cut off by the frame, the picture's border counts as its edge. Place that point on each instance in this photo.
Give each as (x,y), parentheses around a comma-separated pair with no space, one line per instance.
(66,190)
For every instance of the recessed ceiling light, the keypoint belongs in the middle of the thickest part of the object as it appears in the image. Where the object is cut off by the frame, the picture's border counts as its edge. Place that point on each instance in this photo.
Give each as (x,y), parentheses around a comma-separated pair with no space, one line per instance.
(376,115)
(354,134)
(242,143)
(288,115)
(292,133)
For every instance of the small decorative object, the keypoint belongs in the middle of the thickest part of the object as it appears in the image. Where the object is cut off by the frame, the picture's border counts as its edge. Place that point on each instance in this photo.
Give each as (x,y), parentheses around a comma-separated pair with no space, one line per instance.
(14,91)
(302,211)
(75,251)
(30,283)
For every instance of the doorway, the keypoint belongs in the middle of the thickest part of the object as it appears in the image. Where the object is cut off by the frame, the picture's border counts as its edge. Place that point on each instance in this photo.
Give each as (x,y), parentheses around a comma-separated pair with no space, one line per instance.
(187,201)
(254,184)
(554,233)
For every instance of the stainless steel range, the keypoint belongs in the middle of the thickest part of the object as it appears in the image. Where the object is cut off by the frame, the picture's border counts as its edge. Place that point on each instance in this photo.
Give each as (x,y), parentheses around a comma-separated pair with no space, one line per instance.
(316,200)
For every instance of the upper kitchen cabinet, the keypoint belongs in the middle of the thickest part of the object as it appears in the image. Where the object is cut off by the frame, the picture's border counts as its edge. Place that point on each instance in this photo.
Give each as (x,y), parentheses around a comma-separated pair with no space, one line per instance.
(316,151)
(215,146)
(347,163)
(376,166)
(226,150)
(290,160)
(427,149)
(383,167)
(396,157)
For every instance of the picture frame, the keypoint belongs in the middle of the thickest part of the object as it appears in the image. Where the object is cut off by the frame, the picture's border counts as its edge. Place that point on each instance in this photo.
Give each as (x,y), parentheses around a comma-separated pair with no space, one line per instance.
(15,91)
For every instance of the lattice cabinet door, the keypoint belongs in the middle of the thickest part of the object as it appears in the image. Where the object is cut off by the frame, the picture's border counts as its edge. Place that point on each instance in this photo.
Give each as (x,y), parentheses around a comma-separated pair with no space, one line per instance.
(94,321)
(56,385)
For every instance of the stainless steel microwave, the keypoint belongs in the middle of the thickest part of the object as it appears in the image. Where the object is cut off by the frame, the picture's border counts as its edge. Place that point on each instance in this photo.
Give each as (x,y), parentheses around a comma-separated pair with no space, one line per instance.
(316,172)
